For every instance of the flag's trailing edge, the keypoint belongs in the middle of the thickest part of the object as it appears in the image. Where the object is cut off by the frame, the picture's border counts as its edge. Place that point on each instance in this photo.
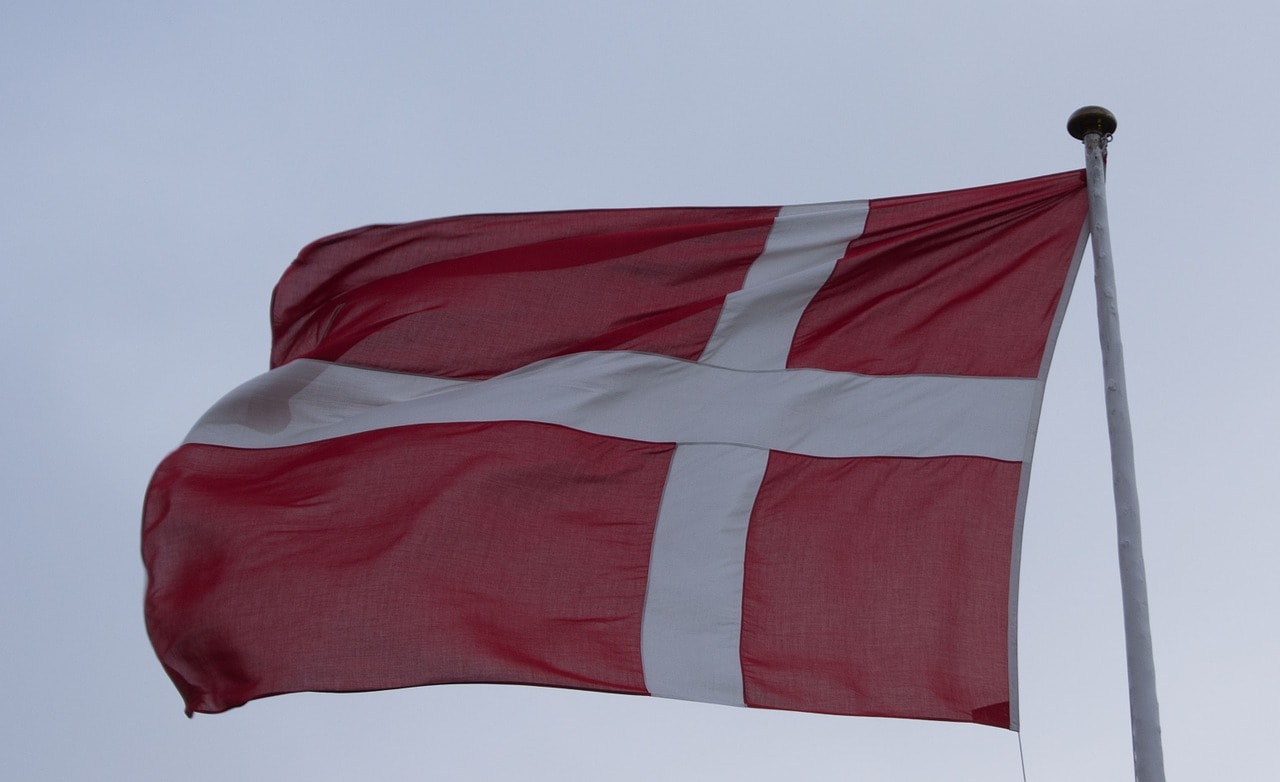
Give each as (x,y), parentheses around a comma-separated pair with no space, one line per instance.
(754,456)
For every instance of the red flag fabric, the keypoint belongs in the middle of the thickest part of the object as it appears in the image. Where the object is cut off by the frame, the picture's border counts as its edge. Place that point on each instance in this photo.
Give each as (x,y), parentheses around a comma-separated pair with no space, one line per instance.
(770,457)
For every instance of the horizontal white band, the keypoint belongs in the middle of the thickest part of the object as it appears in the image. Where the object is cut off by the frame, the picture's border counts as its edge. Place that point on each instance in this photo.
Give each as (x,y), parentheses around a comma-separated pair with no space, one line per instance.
(645,397)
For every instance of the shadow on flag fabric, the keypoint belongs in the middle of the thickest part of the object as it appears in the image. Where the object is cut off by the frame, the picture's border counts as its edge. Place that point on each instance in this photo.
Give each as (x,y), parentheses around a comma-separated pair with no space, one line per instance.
(772,457)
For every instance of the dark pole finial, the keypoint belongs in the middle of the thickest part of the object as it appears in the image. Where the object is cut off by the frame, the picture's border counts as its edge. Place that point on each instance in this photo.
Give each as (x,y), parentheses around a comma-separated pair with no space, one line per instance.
(1091,119)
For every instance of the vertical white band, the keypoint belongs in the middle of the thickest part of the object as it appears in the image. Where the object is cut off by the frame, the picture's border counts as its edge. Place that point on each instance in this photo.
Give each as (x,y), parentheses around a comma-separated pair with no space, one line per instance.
(692,624)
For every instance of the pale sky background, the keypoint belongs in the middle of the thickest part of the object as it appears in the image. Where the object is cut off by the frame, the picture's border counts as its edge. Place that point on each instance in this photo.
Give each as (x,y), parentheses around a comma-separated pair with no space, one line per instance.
(162,162)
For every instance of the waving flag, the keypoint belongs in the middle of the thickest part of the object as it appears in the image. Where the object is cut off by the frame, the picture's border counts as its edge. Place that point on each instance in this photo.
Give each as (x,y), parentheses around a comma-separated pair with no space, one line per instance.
(773,457)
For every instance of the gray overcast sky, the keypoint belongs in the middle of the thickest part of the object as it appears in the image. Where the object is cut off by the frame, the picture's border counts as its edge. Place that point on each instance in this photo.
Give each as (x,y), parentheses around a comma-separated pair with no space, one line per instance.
(161,163)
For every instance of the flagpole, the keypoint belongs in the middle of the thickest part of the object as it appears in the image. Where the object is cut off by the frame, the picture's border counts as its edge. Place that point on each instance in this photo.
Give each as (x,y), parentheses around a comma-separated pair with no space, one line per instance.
(1094,125)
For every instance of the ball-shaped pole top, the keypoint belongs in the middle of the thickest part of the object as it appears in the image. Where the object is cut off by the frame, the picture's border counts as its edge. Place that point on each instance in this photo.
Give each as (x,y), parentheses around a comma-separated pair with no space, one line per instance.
(1091,119)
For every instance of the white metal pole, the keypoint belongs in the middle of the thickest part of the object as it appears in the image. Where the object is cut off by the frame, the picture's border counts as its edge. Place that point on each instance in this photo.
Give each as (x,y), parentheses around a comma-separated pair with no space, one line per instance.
(1094,125)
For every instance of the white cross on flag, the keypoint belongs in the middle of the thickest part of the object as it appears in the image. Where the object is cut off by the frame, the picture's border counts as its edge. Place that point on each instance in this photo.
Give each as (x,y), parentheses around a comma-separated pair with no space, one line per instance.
(754,456)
